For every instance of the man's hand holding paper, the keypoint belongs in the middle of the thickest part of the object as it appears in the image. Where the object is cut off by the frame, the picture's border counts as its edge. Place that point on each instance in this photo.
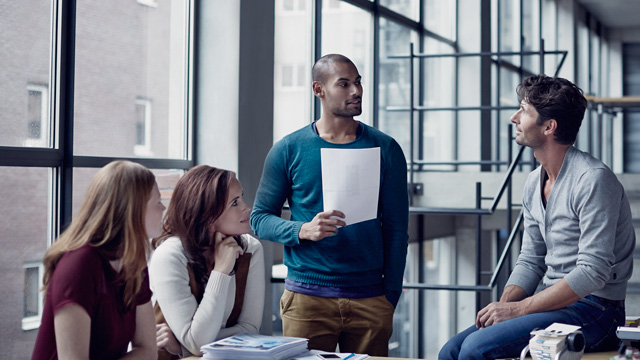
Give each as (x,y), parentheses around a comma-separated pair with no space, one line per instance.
(323,225)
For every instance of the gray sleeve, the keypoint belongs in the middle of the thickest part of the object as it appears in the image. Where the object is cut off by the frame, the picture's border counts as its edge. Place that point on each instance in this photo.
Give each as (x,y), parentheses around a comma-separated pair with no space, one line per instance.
(597,203)
(530,266)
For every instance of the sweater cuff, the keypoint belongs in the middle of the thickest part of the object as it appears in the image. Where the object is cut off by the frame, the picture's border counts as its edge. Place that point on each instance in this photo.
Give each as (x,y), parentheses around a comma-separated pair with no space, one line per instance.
(218,282)
(295,236)
(579,282)
(524,280)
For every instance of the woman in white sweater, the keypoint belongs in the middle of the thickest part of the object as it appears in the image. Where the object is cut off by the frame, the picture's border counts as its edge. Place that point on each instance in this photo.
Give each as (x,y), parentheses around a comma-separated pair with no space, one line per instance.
(207,273)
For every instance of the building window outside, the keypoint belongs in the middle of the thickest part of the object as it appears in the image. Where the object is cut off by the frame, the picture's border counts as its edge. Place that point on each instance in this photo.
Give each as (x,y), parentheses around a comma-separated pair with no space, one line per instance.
(294,77)
(294,5)
(143,127)
(33,296)
(37,116)
(333,4)
(150,3)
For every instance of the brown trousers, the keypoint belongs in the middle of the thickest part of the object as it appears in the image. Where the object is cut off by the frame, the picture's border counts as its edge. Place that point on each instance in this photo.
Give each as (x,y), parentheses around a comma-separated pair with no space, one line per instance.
(362,326)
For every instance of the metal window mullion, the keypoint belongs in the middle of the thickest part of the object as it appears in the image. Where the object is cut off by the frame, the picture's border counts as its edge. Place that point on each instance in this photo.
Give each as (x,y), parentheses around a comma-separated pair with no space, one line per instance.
(376,67)
(190,82)
(65,76)
(317,52)
(151,163)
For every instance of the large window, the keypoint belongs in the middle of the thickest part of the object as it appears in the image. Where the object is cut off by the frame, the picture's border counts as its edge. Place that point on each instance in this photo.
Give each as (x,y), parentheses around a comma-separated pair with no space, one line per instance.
(394,87)
(462,102)
(348,30)
(293,60)
(115,88)
(375,35)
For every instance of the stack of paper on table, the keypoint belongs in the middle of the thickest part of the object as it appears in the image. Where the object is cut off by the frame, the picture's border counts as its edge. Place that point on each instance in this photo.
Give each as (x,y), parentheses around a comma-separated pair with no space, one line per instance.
(547,343)
(545,347)
(255,346)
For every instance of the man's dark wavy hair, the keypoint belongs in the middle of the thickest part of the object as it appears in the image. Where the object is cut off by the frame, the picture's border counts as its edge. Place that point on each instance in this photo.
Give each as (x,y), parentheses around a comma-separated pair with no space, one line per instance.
(555,98)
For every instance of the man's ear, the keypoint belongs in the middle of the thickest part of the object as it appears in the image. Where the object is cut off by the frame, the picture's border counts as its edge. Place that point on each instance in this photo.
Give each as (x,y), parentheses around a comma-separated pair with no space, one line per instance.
(550,126)
(317,89)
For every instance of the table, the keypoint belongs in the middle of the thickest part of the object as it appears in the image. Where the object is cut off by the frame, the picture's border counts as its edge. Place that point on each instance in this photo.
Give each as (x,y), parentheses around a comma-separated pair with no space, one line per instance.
(588,356)
(371,358)
(596,356)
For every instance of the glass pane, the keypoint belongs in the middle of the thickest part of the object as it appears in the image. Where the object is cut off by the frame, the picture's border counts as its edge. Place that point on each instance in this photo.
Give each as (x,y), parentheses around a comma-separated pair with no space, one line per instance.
(24,224)
(509,80)
(583,142)
(549,29)
(509,32)
(438,268)
(25,40)
(128,51)
(440,17)
(395,85)
(439,90)
(594,59)
(408,8)
(82,177)
(293,59)
(531,35)
(348,30)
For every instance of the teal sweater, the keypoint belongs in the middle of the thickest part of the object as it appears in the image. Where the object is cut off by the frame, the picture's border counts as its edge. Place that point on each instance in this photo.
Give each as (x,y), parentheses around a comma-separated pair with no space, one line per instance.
(361,254)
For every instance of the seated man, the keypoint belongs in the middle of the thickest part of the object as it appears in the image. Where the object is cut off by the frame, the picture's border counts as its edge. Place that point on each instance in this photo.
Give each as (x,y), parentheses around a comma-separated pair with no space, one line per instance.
(578,236)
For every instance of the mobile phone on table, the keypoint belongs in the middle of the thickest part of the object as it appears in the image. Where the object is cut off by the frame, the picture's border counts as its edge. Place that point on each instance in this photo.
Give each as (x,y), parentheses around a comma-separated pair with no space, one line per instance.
(329,356)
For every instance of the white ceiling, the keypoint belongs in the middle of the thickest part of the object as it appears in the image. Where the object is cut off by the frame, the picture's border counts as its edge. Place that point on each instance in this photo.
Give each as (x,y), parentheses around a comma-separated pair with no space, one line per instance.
(614,13)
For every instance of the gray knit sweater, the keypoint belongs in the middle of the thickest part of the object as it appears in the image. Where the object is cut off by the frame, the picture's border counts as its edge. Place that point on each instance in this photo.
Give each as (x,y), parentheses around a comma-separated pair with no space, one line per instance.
(584,235)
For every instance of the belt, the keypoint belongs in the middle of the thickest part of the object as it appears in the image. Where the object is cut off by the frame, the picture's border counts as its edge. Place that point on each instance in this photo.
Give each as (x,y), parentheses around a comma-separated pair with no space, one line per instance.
(610,302)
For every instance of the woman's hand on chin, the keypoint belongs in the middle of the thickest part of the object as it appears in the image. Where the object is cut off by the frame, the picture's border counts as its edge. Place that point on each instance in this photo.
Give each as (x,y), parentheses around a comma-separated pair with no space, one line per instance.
(226,253)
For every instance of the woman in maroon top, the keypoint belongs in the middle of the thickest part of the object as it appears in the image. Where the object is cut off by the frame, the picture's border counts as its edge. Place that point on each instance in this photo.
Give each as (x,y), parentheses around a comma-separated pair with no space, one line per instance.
(97,289)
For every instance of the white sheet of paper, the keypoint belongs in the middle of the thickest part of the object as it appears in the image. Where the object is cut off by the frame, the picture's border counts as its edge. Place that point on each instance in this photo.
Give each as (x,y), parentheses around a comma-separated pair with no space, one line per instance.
(351,182)
(559,328)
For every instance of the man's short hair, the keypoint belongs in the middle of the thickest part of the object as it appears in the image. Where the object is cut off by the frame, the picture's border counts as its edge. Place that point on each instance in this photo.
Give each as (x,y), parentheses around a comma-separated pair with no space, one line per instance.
(555,98)
(319,70)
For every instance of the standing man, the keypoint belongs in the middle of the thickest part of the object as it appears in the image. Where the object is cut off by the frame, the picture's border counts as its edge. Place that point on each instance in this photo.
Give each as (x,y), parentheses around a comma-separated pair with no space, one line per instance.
(343,282)
(578,237)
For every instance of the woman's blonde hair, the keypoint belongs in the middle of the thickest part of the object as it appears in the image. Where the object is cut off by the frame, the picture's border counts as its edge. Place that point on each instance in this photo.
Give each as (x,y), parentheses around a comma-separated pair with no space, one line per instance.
(111,219)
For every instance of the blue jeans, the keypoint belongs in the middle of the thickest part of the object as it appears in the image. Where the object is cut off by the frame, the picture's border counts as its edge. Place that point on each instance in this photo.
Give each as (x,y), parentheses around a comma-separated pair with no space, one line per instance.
(598,319)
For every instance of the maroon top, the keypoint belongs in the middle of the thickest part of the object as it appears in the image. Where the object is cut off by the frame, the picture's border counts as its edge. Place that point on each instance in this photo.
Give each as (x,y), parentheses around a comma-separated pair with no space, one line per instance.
(85,278)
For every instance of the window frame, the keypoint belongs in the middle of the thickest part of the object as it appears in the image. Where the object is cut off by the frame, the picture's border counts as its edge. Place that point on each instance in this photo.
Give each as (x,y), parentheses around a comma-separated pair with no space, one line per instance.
(58,133)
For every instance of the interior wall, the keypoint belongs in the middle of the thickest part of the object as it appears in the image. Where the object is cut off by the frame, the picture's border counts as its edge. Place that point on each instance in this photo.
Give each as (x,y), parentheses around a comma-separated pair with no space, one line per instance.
(255,114)
(234,97)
